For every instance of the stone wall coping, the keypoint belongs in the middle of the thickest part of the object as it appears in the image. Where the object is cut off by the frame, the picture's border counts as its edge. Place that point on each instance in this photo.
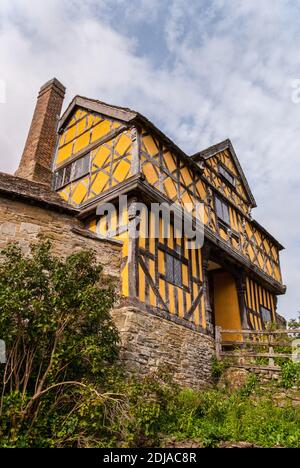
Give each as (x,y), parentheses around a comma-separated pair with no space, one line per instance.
(91,235)
(34,193)
(143,312)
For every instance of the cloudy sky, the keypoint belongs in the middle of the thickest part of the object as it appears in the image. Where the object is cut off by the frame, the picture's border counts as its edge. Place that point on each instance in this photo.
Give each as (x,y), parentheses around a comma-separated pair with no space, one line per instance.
(217,69)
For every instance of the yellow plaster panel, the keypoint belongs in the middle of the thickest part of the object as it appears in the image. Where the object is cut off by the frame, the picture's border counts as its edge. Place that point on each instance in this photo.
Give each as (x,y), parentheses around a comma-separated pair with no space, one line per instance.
(100,130)
(80,191)
(150,173)
(82,142)
(170,161)
(123,144)
(70,134)
(121,171)
(161,262)
(152,296)
(142,284)
(64,153)
(186,176)
(100,157)
(99,184)
(180,302)
(150,145)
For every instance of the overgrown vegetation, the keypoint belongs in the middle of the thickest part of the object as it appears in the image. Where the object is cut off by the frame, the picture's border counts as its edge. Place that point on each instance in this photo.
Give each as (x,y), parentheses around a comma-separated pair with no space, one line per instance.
(218,368)
(61,386)
(290,374)
(61,347)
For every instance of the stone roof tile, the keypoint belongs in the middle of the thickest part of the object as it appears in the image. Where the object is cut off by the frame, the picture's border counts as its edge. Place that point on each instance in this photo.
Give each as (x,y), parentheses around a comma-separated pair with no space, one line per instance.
(18,187)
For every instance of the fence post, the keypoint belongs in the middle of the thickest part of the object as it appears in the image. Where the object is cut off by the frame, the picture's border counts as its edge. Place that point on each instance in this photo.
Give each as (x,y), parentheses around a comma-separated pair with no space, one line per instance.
(271,351)
(218,341)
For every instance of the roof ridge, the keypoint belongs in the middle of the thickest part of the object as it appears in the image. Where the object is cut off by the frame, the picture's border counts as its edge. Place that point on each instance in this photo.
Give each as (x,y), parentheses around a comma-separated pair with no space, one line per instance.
(98,101)
(213,149)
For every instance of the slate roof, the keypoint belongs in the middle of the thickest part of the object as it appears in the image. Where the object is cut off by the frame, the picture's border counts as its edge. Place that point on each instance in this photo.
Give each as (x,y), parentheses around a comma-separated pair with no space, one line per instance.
(34,192)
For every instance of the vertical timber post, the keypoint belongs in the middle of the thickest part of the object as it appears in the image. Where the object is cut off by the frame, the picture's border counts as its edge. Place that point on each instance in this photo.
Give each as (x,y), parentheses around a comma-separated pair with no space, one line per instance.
(133,227)
(218,341)
(135,157)
(271,351)
(240,280)
(133,219)
(208,310)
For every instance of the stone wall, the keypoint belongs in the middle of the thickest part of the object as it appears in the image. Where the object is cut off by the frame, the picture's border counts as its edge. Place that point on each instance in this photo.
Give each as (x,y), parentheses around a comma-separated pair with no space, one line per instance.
(25,223)
(149,342)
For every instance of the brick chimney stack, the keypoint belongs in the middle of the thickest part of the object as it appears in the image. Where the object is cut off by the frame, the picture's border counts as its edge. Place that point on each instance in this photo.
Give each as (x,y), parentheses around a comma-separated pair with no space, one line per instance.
(40,145)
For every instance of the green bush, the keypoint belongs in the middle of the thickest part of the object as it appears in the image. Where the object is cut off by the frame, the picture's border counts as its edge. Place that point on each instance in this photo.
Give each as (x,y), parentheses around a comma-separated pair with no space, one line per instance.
(290,374)
(61,348)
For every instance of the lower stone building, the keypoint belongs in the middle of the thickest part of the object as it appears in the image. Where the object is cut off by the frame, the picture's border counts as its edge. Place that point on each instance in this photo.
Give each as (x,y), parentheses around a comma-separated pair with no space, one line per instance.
(30,212)
(74,175)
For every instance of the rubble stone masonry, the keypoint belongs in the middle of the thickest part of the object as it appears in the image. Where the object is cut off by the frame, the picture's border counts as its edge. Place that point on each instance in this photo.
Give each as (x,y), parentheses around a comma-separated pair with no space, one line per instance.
(150,343)
(24,224)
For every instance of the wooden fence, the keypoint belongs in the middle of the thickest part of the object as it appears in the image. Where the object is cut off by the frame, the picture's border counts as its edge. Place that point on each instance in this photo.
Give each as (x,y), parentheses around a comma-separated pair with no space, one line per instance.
(250,347)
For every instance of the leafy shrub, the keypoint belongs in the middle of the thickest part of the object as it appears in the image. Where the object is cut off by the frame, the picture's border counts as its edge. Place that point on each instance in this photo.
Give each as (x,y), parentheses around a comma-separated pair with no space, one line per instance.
(61,347)
(290,374)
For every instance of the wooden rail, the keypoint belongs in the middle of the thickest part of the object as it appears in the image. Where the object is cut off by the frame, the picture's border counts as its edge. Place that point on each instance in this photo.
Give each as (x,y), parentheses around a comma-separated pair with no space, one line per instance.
(250,339)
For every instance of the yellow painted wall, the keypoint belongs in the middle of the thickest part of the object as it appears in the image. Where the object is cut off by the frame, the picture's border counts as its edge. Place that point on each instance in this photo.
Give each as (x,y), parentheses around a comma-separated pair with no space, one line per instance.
(104,227)
(84,128)
(226,304)
(110,160)
(170,293)
(111,164)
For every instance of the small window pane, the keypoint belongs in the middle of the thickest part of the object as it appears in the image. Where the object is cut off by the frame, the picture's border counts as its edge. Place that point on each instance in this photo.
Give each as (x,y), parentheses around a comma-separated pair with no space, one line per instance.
(86,164)
(177,272)
(67,178)
(81,167)
(226,214)
(219,208)
(222,210)
(169,268)
(226,174)
(173,270)
(266,314)
(59,179)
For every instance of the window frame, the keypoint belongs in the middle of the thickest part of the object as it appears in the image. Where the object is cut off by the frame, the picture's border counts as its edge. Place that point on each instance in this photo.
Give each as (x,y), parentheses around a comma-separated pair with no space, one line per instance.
(223,203)
(176,276)
(264,309)
(71,168)
(227,175)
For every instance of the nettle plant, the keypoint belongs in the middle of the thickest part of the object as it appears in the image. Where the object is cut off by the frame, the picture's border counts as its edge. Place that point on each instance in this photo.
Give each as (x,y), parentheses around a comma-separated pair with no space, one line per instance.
(61,346)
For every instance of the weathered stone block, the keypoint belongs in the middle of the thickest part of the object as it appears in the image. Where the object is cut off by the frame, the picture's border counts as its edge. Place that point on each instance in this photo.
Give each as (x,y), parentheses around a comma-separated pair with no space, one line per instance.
(8,229)
(30,228)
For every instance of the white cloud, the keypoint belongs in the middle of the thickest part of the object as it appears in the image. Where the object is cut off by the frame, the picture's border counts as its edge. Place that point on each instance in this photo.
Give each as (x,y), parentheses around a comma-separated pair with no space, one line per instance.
(227,73)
